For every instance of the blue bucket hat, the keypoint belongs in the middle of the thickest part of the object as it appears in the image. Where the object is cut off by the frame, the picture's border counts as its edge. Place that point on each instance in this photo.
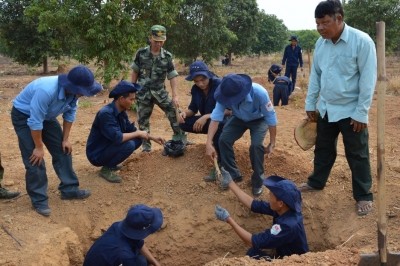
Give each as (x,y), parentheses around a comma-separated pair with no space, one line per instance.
(141,221)
(123,87)
(79,80)
(285,190)
(293,37)
(233,89)
(199,68)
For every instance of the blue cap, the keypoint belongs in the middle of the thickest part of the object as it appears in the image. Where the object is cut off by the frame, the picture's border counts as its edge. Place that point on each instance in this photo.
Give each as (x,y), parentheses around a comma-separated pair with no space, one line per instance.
(123,87)
(293,37)
(285,190)
(199,68)
(233,89)
(79,80)
(141,221)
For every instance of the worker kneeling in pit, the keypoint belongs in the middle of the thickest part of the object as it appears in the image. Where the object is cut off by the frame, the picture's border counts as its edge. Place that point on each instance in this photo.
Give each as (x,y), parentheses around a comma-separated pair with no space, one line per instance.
(287,235)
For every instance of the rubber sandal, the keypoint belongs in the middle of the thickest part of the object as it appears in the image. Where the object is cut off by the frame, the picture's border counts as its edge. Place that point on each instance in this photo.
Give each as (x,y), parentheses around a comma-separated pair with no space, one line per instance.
(362,206)
(305,188)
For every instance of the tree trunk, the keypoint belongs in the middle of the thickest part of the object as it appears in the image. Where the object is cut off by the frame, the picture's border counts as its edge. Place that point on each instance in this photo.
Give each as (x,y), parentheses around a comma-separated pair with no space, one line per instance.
(45,66)
(309,62)
(105,66)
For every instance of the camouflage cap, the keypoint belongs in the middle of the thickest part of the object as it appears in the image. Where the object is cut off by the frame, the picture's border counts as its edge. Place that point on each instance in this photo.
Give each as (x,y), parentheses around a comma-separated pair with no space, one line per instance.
(158,33)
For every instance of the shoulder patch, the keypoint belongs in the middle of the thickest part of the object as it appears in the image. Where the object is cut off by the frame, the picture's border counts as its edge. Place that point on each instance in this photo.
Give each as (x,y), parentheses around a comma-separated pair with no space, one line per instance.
(276,229)
(269,107)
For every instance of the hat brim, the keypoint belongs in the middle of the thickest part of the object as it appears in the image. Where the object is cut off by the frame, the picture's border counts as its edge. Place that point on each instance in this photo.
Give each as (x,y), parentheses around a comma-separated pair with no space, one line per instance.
(227,101)
(282,194)
(159,38)
(77,89)
(136,234)
(207,74)
(305,134)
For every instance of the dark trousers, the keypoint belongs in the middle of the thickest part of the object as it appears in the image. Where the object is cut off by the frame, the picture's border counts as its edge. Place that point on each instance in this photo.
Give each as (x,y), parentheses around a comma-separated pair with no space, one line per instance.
(291,71)
(115,154)
(35,176)
(233,130)
(280,93)
(357,155)
(188,127)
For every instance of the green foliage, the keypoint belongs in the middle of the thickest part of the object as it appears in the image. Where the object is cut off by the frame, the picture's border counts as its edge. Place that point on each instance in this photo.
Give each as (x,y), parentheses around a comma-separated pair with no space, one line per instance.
(243,20)
(108,32)
(20,39)
(199,30)
(271,35)
(363,15)
(133,106)
(307,39)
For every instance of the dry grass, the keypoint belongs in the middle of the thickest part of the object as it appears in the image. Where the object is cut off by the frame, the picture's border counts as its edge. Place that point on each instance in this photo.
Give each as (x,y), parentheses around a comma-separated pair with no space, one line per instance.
(393,86)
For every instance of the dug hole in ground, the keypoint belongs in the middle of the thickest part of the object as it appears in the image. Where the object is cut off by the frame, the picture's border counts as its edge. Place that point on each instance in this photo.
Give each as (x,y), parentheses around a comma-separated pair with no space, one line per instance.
(191,234)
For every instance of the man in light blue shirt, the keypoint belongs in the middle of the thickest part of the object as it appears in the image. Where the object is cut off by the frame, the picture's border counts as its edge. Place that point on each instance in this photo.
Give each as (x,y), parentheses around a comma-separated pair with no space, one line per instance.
(34,116)
(251,109)
(343,78)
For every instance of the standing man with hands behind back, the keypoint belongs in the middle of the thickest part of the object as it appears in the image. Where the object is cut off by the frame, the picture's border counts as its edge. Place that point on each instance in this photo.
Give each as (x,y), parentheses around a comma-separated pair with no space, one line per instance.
(343,78)
(292,57)
(150,67)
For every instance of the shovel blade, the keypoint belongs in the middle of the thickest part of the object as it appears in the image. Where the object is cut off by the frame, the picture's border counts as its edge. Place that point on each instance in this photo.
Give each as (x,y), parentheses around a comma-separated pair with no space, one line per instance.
(393,259)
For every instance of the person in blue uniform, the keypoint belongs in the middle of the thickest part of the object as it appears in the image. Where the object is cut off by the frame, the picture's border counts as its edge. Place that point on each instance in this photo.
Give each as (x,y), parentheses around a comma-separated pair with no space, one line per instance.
(251,110)
(113,138)
(292,57)
(283,87)
(34,117)
(123,243)
(287,235)
(203,102)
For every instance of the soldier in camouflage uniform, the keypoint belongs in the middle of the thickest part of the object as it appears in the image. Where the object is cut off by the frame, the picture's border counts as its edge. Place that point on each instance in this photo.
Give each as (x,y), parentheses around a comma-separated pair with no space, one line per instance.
(4,193)
(150,67)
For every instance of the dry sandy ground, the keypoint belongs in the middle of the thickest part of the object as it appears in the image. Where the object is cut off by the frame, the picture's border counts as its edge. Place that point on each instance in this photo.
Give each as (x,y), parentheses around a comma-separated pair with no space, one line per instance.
(191,235)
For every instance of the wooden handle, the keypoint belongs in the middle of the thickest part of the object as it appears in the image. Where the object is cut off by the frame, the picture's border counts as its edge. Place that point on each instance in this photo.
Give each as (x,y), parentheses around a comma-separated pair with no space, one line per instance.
(217,167)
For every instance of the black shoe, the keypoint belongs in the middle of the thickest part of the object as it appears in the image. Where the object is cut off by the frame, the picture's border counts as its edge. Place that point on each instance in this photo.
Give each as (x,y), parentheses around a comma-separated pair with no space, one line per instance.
(238,179)
(80,194)
(43,210)
(6,194)
(257,191)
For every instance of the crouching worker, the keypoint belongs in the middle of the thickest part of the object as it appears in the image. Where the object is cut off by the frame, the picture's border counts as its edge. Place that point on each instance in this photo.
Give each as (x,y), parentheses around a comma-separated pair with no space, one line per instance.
(287,235)
(123,242)
(113,138)
(283,87)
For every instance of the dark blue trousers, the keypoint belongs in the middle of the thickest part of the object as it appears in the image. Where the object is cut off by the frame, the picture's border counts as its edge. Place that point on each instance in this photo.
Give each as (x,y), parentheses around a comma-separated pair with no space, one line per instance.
(291,71)
(35,176)
(280,93)
(233,130)
(188,127)
(115,154)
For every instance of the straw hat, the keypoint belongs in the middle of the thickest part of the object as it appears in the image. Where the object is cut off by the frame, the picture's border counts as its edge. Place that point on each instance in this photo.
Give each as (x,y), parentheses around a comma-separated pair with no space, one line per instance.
(305,133)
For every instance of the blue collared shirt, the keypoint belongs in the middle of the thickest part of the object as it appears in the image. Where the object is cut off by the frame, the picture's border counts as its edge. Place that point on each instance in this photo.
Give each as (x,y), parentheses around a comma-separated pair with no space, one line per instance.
(199,103)
(107,129)
(43,99)
(287,234)
(343,76)
(256,105)
(292,57)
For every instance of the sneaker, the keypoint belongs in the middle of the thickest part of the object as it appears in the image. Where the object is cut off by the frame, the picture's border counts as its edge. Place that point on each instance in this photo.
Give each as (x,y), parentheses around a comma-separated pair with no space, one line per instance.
(212,176)
(43,210)
(80,194)
(6,194)
(109,175)
(145,150)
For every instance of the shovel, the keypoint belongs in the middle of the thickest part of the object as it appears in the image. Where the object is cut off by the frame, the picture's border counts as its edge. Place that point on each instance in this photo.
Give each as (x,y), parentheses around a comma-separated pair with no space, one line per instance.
(383,257)
(181,136)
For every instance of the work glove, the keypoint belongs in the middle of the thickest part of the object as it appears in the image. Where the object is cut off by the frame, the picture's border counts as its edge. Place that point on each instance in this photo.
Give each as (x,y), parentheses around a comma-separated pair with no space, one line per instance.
(221,213)
(226,178)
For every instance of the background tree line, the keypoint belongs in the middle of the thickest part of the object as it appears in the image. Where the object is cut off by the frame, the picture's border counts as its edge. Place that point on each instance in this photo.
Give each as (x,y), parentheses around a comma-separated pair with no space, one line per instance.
(108,32)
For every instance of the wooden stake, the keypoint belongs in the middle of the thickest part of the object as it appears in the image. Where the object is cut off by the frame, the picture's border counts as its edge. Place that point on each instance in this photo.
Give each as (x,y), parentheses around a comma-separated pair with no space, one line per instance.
(11,234)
